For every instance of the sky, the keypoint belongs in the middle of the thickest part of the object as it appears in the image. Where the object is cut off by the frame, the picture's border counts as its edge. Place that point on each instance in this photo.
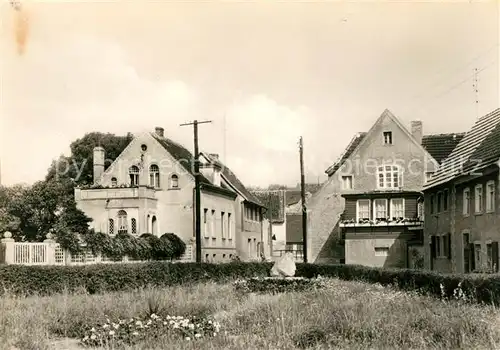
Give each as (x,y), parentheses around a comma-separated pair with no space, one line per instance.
(264,72)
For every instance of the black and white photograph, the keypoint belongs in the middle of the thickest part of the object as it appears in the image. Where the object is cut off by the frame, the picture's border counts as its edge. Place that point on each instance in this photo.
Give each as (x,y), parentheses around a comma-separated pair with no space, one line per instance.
(235,174)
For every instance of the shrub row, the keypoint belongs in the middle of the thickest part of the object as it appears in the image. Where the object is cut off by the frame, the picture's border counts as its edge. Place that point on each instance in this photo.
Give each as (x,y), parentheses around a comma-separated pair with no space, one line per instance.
(98,278)
(275,285)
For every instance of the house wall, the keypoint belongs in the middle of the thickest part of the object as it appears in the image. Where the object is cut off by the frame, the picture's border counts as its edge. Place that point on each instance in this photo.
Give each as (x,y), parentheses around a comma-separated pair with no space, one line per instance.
(362,251)
(324,210)
(480,227)
(372,152)
(250,239)
(217,247)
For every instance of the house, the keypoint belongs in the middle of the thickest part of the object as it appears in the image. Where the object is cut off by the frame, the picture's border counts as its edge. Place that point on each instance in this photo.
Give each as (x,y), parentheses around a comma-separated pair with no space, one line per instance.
(369,211)
(461,211)
(285,217)
(149,188)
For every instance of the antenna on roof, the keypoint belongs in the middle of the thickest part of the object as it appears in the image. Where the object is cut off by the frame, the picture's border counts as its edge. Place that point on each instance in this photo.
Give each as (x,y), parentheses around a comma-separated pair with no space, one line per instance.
(476,91)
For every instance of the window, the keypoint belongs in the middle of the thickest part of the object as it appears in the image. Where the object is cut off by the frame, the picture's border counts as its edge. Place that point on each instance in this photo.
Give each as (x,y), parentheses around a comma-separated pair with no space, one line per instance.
(111,227)
(222,225)
(205,223)
(445,200)
(229,227)
(420,210)
(212,224)
(134,175)
(438,246)
(207,258)
(347,182)
(154,176)
(489,255)
(439,201)
(363,209)
(397,208)
(466,201)
(388,137)
(255,247)
(134,226)
(249,247)
(122,222)
(381,251)
(432,204)
(477,255)
(389,176)
(478,198)
(490,196)
(114,182)
(380,208)
(174,181)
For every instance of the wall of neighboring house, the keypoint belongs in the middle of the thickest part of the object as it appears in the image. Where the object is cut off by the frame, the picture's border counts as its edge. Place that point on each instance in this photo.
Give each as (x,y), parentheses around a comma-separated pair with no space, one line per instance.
(480,226)
(219,235)
(250,237)
(324,210)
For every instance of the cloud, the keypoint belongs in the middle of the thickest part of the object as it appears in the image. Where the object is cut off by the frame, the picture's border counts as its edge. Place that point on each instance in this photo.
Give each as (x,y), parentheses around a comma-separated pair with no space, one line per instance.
(57,92)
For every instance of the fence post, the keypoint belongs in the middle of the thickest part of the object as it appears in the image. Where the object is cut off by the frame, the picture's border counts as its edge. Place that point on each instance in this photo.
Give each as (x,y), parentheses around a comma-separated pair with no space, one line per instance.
(51,249)
(8,247)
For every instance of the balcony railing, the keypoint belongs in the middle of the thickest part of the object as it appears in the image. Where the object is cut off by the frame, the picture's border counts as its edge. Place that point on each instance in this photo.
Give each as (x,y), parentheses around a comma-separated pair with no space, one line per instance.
(381,223)
(115,193)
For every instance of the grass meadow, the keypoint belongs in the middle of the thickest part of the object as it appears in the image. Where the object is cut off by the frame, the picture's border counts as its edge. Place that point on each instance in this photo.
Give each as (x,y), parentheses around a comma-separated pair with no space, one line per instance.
(344,315)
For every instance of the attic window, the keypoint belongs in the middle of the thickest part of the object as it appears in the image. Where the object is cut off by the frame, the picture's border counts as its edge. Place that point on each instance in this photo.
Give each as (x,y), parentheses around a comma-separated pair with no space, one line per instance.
(388,137)
(144,147)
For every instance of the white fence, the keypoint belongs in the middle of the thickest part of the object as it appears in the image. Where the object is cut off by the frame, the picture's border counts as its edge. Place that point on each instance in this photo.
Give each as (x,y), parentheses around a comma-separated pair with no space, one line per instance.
(51,253)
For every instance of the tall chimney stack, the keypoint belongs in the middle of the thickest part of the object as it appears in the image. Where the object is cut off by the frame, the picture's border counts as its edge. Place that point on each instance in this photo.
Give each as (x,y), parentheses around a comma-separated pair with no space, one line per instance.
(99,157)
(159,131)
(417,130)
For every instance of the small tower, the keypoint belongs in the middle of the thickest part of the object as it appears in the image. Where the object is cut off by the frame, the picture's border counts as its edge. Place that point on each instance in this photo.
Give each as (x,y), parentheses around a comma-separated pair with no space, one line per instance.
(99,157)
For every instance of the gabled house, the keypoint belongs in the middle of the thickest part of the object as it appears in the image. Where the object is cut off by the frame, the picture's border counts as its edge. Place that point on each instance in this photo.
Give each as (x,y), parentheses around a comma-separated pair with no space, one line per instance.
(461,212)
(369,211)
(149,188)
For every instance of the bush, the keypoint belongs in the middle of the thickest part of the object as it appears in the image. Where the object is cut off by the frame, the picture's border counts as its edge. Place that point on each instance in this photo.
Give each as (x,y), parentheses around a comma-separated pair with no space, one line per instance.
(176,246)
(98,278)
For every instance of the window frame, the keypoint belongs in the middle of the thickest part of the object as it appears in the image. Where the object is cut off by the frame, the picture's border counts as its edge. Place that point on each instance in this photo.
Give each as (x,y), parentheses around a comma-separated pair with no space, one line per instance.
(381,251)
(388,134)
(343,180)
(358,203)
(466,202)
(133,173)
(154,175)
(382,173)
(374,209)
(122,216)
(490,201)
(478,201)
(392,207)
(173,182)
(446,200)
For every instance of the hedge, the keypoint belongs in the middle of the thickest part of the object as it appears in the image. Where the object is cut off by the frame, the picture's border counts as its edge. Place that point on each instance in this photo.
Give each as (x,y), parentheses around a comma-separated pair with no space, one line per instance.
(46,280)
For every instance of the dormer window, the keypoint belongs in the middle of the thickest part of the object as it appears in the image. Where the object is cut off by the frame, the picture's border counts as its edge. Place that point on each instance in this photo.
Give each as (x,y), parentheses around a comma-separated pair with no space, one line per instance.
(388,137)
(134,175)
(174,181)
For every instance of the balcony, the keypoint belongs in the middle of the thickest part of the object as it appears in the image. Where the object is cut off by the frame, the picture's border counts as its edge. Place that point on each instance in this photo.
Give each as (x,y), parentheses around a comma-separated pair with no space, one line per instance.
(141,192)
(412,222)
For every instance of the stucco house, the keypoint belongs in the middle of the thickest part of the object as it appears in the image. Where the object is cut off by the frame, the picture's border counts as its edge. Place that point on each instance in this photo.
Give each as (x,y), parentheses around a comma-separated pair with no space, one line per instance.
(462,197)
(149,188)
(369,211)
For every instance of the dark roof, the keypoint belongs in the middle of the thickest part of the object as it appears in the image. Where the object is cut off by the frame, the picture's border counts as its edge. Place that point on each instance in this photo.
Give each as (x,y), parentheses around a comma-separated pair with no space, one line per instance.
(274,202)
(293,228)
(480,144)
(440,146)
(292,197)
(347,153)
(181,154)
(234,181)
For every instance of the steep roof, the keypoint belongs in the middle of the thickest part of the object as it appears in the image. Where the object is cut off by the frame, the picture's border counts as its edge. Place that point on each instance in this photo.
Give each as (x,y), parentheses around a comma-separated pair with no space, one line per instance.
(274,202)
(355,141)
(234,181)
(181,154)
(440,146)
(293,228)
(478,148)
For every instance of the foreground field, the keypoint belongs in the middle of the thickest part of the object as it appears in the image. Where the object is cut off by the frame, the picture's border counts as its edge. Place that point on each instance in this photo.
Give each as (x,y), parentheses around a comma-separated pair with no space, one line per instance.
(344,315)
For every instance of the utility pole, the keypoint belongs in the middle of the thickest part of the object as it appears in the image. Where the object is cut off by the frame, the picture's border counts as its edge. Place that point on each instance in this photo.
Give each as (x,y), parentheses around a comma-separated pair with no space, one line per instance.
(197,188)
(303,196)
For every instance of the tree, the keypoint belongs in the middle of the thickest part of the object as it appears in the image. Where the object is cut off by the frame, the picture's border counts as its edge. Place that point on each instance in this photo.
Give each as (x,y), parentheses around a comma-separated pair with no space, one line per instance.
(177,247)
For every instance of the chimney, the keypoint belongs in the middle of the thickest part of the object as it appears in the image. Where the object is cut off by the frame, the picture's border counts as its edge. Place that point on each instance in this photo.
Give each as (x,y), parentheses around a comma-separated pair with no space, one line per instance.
(99,157)
(416,130)
(159,131)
